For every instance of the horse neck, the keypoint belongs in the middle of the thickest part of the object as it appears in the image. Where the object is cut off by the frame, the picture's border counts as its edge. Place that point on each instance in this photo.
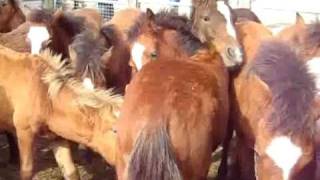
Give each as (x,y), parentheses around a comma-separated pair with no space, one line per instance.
(12,62)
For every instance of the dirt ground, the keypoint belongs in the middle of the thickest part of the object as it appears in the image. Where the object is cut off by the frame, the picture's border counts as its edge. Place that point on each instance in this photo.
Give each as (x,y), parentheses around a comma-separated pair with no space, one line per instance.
(46,168)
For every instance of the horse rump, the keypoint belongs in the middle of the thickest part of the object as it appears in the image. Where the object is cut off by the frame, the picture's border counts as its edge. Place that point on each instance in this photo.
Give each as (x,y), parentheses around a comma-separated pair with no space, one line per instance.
(152,156)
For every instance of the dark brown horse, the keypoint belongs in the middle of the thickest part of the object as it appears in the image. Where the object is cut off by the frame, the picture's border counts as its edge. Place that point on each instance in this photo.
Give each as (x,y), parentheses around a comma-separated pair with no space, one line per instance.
(174,115)
(87,117)
(11,16)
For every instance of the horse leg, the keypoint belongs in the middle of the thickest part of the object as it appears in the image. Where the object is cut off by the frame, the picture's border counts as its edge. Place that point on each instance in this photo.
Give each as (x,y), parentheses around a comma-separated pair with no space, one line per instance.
(245,159)
(25,142)
(223,168)
(13,148)
(62,153)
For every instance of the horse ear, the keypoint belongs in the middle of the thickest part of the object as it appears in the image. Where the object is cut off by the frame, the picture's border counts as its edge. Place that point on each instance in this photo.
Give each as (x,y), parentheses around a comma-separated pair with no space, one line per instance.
(150,14)
(299,19)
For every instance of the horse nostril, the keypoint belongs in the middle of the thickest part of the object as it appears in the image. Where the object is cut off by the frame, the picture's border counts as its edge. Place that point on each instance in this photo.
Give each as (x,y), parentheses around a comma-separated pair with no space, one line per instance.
(231,53)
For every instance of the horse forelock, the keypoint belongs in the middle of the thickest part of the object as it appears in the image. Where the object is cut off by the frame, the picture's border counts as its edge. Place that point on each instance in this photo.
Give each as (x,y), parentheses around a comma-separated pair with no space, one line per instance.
(60,75)
(292,88)
(136,29)
(70,23)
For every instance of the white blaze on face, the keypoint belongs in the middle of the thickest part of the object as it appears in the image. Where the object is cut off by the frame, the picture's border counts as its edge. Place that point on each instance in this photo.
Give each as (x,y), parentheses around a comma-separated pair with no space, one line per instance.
(284,154)
(87,83)
(37,35)
(225,11)
(314,68)
(137,54)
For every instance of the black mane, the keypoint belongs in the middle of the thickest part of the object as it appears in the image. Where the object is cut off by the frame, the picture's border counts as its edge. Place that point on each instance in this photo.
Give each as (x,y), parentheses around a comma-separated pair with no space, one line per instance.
(292,88)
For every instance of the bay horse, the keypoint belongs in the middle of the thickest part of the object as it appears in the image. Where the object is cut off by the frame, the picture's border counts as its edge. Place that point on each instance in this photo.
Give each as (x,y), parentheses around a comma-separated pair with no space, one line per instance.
(214,23)
(174,115)
(275,121)
(85,116)
(11,15)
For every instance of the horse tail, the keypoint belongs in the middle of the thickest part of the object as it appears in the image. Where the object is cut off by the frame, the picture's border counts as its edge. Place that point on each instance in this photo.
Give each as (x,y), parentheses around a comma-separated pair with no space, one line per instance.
(292,86)
(153,157)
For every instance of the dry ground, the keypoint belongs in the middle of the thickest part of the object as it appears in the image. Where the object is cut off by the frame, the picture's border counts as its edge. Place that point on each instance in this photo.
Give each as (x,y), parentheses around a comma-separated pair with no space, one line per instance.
(47,169)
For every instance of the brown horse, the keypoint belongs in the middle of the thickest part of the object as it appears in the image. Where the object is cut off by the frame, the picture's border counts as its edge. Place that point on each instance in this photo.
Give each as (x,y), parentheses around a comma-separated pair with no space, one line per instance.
(16,39)
(213,22)
(251,35)
(274,122)
(174,115)
(85,116)
(11,16)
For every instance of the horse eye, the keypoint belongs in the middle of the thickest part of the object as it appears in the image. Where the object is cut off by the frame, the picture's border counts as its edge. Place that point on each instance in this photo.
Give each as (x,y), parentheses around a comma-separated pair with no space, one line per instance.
(206,18)
(153,55)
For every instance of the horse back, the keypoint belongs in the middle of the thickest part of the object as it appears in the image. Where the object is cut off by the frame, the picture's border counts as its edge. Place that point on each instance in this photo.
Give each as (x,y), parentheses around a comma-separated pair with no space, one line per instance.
(189,98)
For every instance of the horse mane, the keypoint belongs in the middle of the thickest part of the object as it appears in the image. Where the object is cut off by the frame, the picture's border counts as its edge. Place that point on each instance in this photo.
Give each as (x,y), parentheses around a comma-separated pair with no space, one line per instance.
(313,35)
(292,87)
(89,49)
(182,24)
(170,20)
(71,24)
(40,16)
(14,3)
(59,75)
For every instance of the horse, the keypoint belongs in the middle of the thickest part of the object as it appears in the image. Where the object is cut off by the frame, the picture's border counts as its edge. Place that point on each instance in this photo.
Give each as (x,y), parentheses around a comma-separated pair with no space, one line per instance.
(244,14)
(251,35)
(305,38)
(85,116)
(213,23)
(169,105)
(11,16)
(276,117)
(56,30)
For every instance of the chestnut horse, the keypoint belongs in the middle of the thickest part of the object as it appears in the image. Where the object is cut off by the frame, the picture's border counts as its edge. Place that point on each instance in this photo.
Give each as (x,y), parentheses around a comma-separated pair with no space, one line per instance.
(53,101)
(174,115)
(11,16)
(214,23)
(275,121)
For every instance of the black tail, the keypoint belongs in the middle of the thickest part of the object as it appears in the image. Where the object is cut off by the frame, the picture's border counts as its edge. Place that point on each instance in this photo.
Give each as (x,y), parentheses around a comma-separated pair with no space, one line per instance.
(152,157)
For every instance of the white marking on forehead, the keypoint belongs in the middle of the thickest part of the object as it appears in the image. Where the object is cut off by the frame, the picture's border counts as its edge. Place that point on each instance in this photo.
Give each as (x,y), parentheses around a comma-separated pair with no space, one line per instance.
(313,66)
(87,83)
(37,35)
(137,54)
(225,11)
(284,154)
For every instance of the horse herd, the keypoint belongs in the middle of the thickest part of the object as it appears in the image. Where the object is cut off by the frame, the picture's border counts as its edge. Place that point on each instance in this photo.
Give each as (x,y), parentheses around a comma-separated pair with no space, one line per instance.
(156,94)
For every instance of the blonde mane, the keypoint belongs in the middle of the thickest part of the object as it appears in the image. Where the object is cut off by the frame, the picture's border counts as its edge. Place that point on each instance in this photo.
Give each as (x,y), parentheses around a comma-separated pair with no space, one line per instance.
(60,75)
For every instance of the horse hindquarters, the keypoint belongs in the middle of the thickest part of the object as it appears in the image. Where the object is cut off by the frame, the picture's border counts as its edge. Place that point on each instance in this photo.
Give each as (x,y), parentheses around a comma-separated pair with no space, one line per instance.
(152,156)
